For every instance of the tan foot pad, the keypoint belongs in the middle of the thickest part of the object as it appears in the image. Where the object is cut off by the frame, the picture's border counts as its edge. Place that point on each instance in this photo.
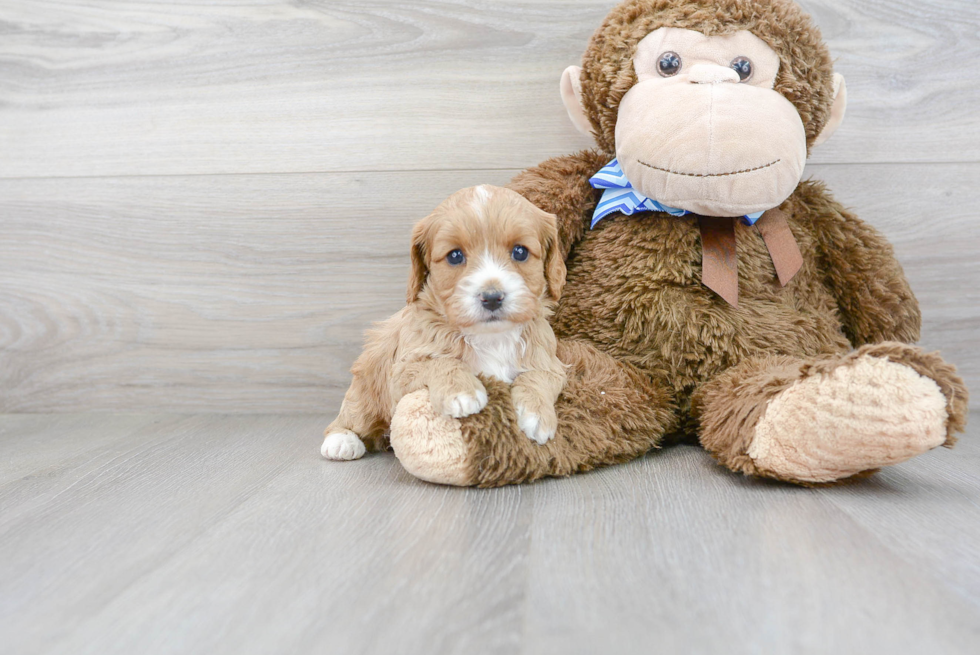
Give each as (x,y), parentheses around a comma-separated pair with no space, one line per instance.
(429,445)
(860,416)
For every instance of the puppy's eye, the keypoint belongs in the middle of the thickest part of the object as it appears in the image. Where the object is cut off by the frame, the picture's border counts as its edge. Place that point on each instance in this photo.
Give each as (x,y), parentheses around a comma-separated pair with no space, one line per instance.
(456,257)
(519,253)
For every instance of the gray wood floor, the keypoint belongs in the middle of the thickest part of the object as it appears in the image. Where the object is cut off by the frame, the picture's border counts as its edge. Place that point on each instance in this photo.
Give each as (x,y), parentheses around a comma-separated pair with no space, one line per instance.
(229,534)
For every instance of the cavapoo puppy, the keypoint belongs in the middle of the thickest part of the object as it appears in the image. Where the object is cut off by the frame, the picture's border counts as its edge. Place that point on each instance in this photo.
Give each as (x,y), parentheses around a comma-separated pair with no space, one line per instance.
(485,274)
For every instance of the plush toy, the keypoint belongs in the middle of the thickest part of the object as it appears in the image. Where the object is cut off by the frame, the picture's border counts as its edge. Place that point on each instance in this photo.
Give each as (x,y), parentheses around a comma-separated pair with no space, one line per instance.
(711,295)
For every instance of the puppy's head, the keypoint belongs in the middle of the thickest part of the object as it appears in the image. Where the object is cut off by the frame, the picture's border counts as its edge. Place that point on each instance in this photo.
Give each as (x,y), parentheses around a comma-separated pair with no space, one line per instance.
(488,257)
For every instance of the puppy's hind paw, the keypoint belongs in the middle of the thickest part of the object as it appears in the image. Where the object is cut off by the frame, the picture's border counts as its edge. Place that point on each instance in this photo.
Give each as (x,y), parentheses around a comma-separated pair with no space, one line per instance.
(464,404)
(538,428)
(342,446)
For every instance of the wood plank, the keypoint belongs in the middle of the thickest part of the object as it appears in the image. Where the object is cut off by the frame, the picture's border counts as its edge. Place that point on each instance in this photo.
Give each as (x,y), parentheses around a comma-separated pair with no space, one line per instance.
(226,534)
(671,553)
(41,445)
(232,535)
(85,533)
(250,293)
(188,294)
(177,88)
(935,527)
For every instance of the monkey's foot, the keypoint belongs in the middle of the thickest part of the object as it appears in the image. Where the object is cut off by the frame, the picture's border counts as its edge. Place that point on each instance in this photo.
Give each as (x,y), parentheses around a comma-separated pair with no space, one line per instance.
(428,444)
(833,417)
(858,417)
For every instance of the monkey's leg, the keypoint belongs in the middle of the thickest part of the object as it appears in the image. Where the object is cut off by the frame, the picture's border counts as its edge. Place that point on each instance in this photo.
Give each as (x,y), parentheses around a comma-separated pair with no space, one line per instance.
(608,412)
(828,418)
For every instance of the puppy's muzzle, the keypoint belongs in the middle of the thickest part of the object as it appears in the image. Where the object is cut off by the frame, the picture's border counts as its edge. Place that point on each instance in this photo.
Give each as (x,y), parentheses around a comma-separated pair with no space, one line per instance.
(492,300)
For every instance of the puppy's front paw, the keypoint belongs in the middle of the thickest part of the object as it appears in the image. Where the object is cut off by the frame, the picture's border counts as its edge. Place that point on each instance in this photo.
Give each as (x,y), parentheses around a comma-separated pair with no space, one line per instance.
(465,403)
(342,446)
(539,427)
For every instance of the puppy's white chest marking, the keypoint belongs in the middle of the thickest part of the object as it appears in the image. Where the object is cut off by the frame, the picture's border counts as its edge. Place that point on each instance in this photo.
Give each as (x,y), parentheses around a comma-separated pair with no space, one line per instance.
(496,355)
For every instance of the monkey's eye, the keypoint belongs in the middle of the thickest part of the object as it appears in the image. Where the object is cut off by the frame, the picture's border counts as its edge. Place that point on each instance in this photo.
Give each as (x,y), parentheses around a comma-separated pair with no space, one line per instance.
(519,253)
(456,257)
(742,66)
(669,64)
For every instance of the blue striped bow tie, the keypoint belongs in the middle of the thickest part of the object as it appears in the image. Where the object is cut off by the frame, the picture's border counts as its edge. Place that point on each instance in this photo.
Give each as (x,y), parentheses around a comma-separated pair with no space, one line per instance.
(620,196)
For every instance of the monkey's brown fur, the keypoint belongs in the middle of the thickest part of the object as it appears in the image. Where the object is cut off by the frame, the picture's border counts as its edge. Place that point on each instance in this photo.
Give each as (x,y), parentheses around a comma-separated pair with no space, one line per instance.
(653,352)
(607,414)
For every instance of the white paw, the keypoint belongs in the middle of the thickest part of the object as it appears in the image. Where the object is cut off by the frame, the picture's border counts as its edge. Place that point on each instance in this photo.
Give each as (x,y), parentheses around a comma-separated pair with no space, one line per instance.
(533,426)
(342,446)
(464,404)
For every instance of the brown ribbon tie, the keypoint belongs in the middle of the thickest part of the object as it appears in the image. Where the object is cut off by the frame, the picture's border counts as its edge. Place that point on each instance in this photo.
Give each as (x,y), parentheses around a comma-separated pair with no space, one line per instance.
(719,264)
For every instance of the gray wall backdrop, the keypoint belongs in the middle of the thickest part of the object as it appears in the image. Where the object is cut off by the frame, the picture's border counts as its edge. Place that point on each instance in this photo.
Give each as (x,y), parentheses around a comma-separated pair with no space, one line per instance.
(203,205)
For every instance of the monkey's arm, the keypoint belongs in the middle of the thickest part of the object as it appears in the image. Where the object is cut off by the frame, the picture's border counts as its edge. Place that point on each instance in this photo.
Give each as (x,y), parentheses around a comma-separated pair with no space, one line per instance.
(875,300)
(561,186)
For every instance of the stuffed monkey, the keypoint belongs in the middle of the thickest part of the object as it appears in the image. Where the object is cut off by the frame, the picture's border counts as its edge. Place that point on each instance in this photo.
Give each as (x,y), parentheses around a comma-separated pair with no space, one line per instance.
(711,294)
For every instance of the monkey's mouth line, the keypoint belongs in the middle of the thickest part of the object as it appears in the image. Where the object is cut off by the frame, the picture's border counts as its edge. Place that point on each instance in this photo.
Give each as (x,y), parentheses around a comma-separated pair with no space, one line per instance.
(746,170)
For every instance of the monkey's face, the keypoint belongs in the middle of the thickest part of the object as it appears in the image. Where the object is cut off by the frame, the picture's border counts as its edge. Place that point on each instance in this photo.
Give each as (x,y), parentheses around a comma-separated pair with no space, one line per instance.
(703,129)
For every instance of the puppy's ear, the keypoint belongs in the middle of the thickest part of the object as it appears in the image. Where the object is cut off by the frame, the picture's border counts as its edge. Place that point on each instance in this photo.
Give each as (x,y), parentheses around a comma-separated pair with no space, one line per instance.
(420,270)
(554,262)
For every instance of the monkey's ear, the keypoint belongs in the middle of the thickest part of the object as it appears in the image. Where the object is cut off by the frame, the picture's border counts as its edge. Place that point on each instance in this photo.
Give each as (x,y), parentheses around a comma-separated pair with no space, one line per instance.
(836,111)
(420,270)
(571,95)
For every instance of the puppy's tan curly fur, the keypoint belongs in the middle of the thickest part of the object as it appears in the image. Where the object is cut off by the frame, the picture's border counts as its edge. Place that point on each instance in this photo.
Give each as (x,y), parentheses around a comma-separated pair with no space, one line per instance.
(433,342)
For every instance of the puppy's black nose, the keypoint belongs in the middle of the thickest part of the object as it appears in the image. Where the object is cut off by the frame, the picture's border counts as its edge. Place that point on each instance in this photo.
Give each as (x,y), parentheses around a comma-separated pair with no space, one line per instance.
(492,300)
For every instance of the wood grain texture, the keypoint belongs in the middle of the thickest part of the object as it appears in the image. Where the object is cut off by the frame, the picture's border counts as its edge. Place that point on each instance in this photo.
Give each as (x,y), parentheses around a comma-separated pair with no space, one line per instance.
(245,293)
(673,554)
(103,87)
(221,534)
(250,293)
(192,532)
(144,285)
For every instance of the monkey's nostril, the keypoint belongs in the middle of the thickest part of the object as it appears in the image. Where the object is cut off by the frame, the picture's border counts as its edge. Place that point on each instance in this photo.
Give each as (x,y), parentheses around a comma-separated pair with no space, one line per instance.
(492,300)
